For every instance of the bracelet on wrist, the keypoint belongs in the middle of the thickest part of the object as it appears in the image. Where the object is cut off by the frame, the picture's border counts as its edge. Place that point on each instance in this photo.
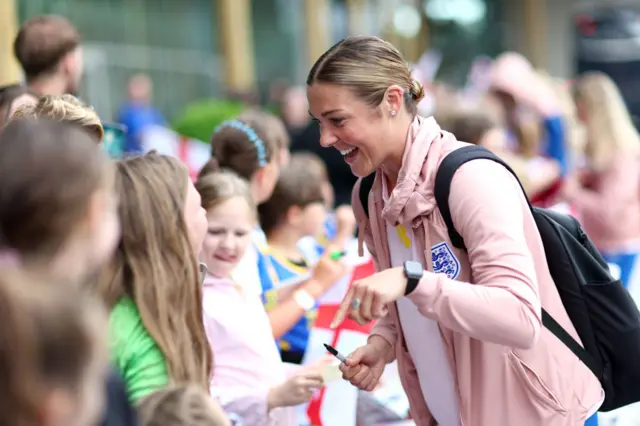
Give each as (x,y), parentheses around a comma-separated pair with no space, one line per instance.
(304,300)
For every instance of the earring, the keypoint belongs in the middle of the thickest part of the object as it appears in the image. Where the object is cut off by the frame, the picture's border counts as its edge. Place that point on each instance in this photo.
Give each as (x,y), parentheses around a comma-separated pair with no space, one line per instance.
(393,112)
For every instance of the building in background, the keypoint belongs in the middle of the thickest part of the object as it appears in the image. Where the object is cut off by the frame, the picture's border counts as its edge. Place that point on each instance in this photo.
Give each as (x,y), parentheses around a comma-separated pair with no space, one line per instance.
(209,48)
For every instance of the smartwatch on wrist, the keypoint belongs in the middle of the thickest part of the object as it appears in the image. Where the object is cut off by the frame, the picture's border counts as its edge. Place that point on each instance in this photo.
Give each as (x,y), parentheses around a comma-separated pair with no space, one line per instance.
(413,272)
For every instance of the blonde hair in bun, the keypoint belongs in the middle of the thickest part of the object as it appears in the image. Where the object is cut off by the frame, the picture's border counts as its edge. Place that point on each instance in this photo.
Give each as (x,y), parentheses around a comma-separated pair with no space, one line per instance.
(417,91)
(368,66)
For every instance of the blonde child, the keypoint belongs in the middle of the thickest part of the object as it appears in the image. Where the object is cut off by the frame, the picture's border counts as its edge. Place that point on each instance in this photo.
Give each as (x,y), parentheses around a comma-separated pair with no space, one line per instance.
(251,146)
(52,353)
(186,405)
(152,286)
(249,379)
(66,108)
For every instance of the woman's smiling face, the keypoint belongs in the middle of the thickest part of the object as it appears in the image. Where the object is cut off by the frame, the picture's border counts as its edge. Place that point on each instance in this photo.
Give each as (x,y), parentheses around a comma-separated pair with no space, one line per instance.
(348,124)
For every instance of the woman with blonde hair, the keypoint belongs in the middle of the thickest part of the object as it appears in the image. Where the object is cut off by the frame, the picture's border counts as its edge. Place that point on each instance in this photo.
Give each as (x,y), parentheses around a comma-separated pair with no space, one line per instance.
(65,108)
(464,325)
(607,193)
(152,285)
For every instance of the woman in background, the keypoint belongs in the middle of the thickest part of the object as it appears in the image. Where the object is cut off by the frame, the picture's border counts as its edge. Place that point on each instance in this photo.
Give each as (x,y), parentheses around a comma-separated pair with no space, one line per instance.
(607,192)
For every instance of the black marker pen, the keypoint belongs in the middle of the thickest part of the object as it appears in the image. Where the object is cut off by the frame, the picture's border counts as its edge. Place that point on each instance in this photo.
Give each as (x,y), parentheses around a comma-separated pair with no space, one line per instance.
(333,351)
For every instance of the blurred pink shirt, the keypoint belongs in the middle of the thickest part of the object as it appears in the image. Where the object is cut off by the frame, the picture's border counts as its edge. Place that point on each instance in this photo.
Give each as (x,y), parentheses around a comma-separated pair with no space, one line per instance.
(246,360)
(610,210)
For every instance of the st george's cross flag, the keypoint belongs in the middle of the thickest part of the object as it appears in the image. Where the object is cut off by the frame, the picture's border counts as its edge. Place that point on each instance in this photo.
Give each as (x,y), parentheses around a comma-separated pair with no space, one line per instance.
(336,403)
(193,153)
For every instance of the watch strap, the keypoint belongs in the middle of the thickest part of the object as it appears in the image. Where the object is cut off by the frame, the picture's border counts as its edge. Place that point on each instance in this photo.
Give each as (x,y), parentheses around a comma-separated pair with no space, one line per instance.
(412,283)
(412,279)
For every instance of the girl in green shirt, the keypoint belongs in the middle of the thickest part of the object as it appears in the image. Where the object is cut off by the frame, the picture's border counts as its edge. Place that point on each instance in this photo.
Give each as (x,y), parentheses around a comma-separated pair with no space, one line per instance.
(152,284)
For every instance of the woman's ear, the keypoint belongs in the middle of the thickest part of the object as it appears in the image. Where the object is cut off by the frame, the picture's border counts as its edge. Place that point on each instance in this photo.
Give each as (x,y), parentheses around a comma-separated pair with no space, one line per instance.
(394,98)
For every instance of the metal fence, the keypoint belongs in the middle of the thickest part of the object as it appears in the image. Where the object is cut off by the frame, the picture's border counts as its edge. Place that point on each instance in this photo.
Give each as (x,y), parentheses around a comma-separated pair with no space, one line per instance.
(174,41)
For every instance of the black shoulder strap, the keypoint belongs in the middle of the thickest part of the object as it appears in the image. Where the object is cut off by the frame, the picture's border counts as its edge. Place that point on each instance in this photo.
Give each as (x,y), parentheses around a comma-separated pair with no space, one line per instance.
(365,187)
(444,176)
(448,167)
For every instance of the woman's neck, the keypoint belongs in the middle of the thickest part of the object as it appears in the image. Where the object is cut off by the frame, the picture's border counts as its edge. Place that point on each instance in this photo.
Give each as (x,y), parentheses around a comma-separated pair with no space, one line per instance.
(392,165)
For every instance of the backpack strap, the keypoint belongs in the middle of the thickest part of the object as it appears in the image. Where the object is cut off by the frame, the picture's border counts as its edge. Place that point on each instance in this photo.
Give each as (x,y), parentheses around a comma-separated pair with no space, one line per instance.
(448,167)
(365,187)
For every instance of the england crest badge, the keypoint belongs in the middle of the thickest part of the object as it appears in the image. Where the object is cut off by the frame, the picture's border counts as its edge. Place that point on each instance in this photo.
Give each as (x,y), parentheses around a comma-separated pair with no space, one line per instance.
(444,261)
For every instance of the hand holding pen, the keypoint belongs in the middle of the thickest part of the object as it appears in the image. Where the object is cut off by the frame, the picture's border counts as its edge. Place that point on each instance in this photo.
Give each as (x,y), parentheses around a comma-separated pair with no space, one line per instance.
(364,366)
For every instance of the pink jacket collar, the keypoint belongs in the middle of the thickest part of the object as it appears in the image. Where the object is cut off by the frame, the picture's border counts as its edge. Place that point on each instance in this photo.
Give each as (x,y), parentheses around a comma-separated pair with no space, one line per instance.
(413,195)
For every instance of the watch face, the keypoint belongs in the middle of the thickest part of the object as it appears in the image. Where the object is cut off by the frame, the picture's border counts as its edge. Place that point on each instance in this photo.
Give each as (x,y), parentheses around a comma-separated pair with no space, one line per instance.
(413,269)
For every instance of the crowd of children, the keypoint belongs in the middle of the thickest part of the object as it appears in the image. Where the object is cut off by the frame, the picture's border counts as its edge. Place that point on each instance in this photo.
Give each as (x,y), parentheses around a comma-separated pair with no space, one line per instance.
(165,257)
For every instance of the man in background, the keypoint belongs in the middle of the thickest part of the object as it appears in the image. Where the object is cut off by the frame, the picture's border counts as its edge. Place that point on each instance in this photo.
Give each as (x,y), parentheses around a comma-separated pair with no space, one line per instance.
(48,50)
(139,114)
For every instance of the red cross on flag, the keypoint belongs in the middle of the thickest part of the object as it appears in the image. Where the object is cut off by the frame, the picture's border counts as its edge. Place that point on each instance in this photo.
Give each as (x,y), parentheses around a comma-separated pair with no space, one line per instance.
(335,404)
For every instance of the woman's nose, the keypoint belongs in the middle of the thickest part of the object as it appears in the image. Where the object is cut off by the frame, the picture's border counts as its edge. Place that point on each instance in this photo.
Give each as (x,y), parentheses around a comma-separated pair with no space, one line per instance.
(327,138)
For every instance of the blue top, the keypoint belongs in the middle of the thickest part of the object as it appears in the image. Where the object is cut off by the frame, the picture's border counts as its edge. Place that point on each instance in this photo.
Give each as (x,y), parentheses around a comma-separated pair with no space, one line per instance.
(555,146)
(138,117)
(290,273)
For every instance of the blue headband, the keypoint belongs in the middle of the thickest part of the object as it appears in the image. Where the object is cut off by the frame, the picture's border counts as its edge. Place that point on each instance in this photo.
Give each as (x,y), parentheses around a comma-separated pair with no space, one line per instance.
(251,134)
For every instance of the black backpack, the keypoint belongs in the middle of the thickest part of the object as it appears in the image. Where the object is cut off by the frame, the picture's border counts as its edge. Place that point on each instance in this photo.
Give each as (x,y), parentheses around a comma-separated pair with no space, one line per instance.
(600,308)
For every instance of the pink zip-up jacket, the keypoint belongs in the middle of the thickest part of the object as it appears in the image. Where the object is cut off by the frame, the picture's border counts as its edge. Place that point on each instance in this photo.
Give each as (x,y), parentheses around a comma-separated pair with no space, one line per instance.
(610,209)
(247,361)
(509,370)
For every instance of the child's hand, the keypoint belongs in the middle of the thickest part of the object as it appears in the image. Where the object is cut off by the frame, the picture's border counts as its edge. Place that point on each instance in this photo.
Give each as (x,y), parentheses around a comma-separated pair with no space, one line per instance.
(298,389)
(327,271)
(320,363)
(346,221)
